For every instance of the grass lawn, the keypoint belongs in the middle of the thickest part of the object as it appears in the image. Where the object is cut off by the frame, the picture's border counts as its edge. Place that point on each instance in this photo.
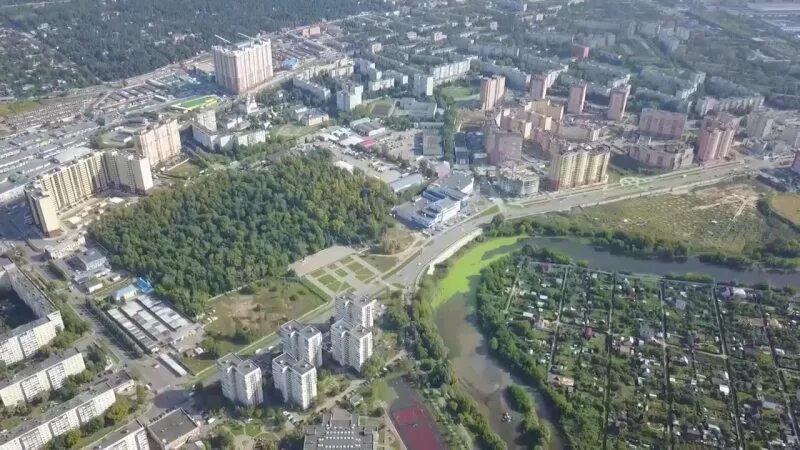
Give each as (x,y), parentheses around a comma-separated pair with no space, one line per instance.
(19,107)
(459,92)
(253,428)
(466,268)
(490,212)
(341,272)
(318,273)
(273,302)
(290,130)
(383,392)
(721,218)
(787,206)
(382,263)
(185,170)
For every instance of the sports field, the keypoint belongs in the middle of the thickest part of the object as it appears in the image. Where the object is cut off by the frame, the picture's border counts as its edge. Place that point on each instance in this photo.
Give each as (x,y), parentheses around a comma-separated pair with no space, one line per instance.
(413,421)
(198,102)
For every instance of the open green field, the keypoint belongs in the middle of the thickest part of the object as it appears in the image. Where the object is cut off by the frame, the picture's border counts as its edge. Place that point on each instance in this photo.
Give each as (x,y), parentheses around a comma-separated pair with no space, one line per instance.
(296,131)
(380,262)
(273,302)
(19,107)
(466,268)
(722,218)
(458,92)
(198,102)
(185,170)
(787,206)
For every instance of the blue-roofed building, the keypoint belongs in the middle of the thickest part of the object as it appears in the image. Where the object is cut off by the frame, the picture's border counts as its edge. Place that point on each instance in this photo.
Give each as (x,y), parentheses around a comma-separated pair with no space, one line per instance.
(144,286)
(289,63)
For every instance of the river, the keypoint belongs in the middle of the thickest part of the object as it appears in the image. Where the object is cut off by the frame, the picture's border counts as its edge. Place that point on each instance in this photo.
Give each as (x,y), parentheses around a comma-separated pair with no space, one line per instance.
(487,380)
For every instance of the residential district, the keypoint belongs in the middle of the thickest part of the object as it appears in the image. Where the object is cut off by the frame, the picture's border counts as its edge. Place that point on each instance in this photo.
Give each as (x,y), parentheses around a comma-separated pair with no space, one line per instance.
(462,109)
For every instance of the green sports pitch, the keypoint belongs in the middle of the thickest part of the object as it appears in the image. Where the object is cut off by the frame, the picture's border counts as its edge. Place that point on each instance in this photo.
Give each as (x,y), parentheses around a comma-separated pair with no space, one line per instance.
(198,102)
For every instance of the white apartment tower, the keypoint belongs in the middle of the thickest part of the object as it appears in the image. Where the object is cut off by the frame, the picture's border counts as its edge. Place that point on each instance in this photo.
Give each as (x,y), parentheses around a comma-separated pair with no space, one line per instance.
(302,342)
(239,68)
(351,344)
(295,380)
(240,380)
(359,310)
(423,85)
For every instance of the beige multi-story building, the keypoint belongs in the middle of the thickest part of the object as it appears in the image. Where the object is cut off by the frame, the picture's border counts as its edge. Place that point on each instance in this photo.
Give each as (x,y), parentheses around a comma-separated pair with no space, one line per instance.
(158,142)
(357,309)
(240,380)
(351,344)
(517,181)
(493,89)
(715,137)
(48,375)
(296,380)
(70,185)
(617,102)
(759,124)
(242,67)
(662,124)
(577,97)
(545,108)
(580,166)
(302,342)
(662,155)
(516,124)
(540,121)
(502,146)
(538,87)
(92,402)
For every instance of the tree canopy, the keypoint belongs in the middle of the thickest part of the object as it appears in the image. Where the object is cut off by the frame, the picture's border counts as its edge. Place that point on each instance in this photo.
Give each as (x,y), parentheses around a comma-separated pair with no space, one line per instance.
(235,227)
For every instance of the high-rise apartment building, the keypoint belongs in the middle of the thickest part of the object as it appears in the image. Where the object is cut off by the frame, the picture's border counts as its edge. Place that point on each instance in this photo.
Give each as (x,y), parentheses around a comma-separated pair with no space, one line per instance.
(241,67)
(493,89)
(351,345)
(502,146)
(538,87)
(617,102)
(295,380)
(759,124)
(423,85)
(158,142)
(577,97)
(579,166)
(356,309)
(207,118)
(545,108)
(240,380)
(347,99)
(302,342)
(662,124)
(715,137)
(76,181)
(48,375)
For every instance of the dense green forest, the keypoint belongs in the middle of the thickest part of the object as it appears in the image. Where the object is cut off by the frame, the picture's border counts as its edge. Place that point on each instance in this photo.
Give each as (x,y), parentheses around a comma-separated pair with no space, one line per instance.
(235,227)
(113,40)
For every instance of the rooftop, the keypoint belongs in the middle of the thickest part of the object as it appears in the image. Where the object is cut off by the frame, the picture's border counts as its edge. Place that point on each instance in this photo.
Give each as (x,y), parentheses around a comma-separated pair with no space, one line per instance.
(31,369)
(340,430)
(113,381)
(231,361)
(172,426)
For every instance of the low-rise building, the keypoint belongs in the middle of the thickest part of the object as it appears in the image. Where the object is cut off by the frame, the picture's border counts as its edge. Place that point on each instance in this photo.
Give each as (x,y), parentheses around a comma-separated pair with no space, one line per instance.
(173,430)
(91,260)
(340,430)
(48,375)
